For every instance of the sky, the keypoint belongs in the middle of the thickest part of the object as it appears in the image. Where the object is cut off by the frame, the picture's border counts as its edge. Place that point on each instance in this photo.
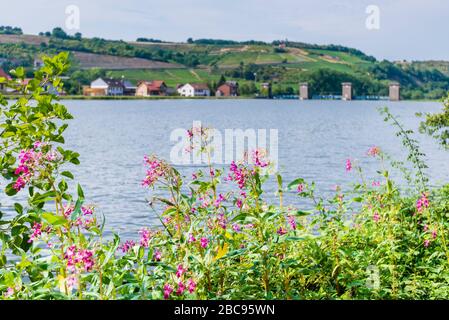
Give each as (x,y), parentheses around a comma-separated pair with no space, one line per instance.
(399,29)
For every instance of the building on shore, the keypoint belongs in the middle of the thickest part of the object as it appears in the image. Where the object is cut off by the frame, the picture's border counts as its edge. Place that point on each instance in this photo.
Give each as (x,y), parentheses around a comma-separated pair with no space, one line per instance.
(104,87)
(346,91)
(6,76)
(395,91)
(151,88)
(129,89)
(194,90)
(304,91)
(228,89)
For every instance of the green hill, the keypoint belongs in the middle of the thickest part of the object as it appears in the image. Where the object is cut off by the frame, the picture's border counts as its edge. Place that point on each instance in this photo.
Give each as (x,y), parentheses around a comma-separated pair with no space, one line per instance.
(284,64)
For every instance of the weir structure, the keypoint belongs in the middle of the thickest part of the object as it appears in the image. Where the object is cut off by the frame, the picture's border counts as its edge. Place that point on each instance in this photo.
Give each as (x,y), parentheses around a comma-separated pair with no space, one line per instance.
(303,91)
(395,91)
(347,93)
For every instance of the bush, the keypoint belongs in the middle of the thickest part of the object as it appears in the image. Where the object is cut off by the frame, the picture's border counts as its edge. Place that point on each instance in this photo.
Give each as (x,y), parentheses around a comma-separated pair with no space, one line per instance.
(218,238)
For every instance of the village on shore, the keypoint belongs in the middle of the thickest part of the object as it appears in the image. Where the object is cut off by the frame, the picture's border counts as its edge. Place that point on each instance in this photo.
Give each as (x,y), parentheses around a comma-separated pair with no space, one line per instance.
(109,87)
(121,87)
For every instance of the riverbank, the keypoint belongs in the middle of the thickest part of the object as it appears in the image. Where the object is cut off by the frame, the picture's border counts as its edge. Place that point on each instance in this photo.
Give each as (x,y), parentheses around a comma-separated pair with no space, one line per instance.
(80,97)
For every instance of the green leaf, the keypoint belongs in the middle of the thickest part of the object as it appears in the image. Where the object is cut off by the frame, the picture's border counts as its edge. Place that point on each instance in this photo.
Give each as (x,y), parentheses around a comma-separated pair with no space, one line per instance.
(18,207)
(80,192)
(295,183)
(10,191)
(67,174)
(53,219)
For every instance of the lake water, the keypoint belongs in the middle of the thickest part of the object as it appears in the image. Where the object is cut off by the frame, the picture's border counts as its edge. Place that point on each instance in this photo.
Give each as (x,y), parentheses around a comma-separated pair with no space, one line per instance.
(315,139)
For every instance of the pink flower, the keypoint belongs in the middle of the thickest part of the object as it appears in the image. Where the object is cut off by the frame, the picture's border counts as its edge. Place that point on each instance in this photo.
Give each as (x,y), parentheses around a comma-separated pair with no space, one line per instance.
(376,217)
(157,255)
(37,231)
(87,210)
(68,211)
(9,292)
(204,242)
(300,188)
(81,258)
(239,203)
(191,238)
(222,220)
(191,285)
(236,227)
(155,171)
(37,144)
(128,245)
(348,165)
(89,222)
(422,203)
(258,158)
(167,291)
(180,271)
(21,169)
(144,237)
(281,231)
(181,288)
(373,151)
(53,155)
(238,174)
(19,184)
(166,220)
(292,222)
(426,243)
(376,184)
(218,201)
(72,282)
(87,259)
(194,176)
(434,234)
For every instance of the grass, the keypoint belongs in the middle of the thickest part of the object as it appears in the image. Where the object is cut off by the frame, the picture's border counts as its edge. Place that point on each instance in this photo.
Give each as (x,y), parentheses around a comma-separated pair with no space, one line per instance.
(171,77)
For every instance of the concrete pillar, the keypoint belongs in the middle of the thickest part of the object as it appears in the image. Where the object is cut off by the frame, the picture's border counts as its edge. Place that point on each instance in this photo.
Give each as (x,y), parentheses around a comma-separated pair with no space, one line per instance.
(346,91)
(303,91)
(395,91)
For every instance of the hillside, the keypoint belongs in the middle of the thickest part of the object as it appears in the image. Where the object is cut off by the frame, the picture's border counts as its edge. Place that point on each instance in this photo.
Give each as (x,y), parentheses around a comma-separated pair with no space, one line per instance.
(284,64)
(109,62)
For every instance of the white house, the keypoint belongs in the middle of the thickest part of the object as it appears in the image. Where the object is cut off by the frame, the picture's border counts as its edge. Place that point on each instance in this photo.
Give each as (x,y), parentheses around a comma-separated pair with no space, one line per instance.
(194,90)
(111,87)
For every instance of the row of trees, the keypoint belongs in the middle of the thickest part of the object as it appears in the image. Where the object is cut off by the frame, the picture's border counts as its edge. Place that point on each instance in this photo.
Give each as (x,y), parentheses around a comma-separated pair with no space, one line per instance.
(10,30)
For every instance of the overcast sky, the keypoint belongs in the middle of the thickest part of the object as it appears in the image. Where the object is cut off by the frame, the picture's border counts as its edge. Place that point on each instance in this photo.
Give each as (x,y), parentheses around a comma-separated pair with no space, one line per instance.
(409,29)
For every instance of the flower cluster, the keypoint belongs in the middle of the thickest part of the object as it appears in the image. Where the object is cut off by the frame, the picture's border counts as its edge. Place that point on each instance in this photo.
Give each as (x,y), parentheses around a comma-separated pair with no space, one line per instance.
(348,165)
(189,285)
(259,158)
(31,162)
(37,231)
(127,246)
(78,258)
(156,169)
(422,203)
(373,151)
(145,236)
(238,174)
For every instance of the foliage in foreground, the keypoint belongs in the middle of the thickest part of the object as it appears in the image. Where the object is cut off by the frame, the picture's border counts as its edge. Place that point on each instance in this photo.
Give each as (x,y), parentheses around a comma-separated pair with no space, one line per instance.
(218,238)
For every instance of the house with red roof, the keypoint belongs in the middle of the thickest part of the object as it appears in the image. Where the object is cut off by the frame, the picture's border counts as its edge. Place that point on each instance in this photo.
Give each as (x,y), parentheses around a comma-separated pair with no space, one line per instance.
(228,89)
(151,88)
